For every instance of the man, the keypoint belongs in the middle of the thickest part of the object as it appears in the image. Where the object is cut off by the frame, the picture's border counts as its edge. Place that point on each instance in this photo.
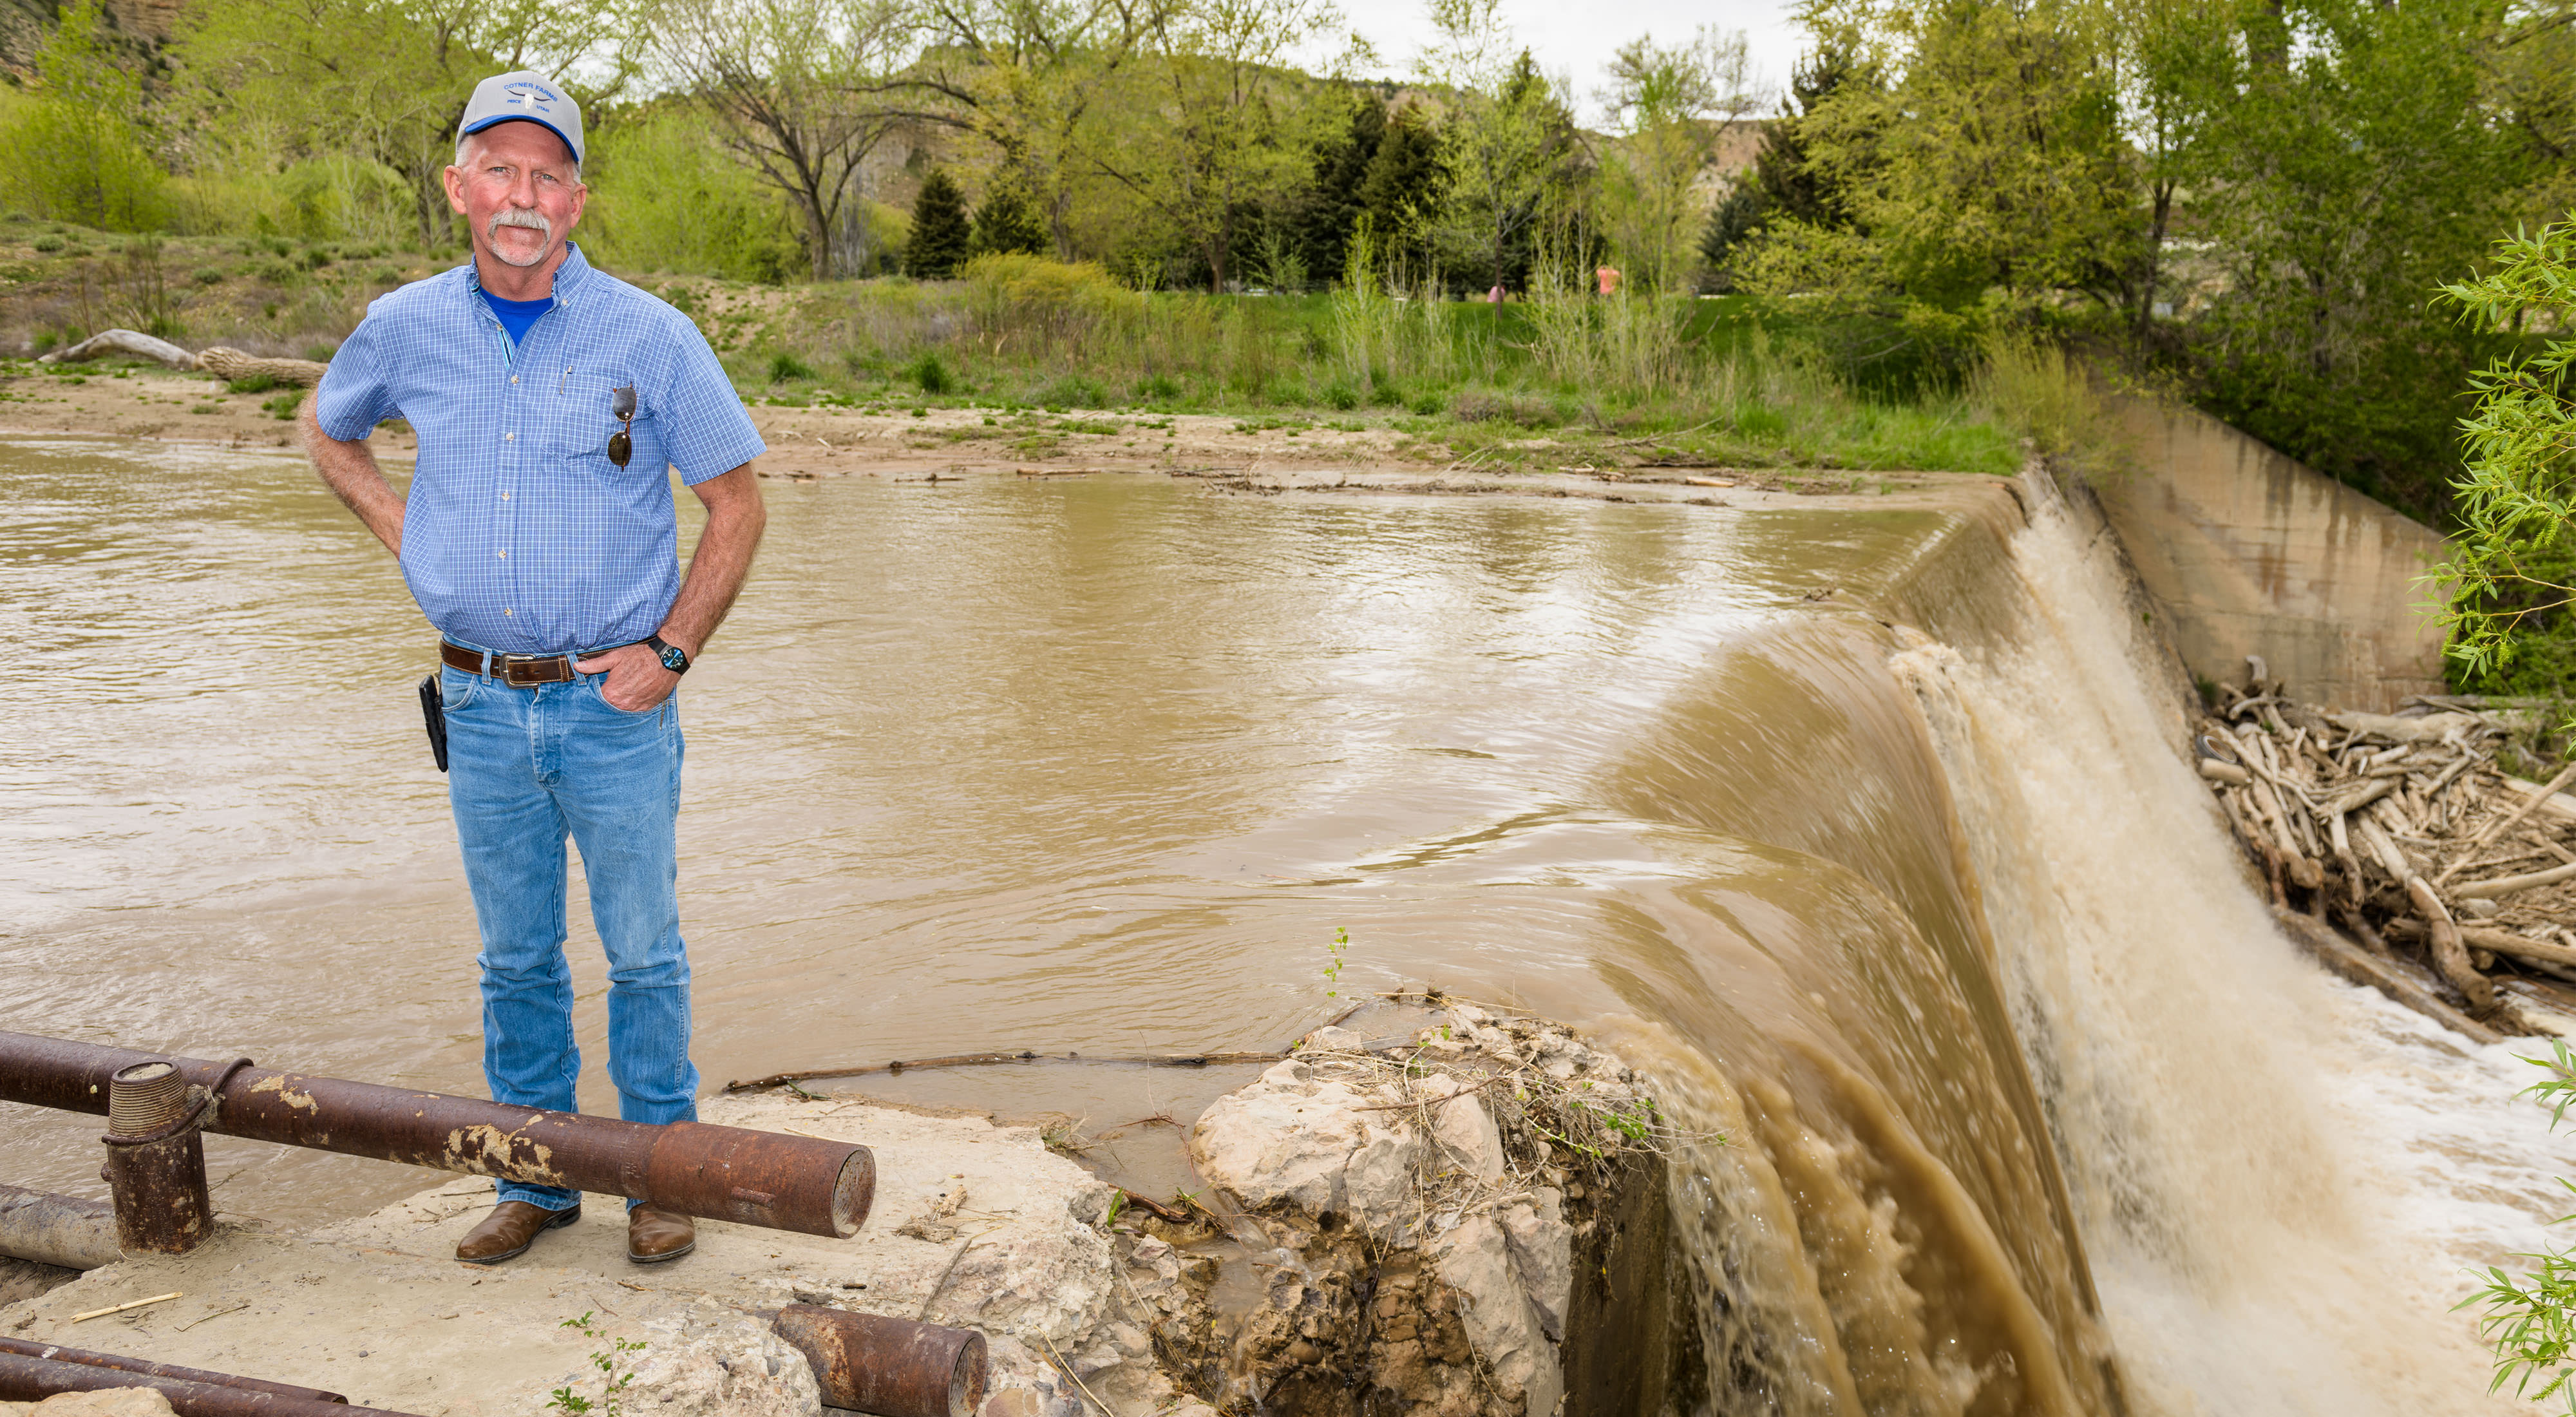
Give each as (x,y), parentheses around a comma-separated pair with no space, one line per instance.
(538,534)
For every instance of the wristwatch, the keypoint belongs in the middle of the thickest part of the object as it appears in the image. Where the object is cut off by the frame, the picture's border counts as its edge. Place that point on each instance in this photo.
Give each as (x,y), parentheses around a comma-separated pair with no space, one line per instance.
(674,658)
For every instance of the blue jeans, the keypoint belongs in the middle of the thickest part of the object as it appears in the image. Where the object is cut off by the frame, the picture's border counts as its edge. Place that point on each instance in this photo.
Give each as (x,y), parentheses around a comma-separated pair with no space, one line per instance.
(527,768)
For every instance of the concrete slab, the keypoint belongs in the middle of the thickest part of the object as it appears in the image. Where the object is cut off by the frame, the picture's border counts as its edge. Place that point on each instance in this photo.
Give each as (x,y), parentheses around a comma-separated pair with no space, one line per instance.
(974,1225)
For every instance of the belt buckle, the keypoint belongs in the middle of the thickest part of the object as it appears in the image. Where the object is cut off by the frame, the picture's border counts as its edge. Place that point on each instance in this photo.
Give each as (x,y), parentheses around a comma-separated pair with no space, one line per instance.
(521,671)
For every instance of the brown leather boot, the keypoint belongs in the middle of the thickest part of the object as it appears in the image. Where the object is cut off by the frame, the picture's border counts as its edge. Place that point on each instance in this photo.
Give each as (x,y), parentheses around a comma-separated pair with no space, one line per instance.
(509,1230)
(654,1234)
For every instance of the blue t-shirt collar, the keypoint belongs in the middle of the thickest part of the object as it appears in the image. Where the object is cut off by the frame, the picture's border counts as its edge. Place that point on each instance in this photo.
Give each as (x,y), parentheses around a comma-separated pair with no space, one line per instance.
(568,276)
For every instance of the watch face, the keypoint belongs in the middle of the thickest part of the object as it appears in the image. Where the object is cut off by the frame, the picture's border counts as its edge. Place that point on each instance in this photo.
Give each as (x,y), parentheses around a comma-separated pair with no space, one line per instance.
(673,659)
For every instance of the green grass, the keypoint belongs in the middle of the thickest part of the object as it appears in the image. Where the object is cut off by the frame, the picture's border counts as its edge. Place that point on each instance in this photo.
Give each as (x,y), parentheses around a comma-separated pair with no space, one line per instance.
(1724,381)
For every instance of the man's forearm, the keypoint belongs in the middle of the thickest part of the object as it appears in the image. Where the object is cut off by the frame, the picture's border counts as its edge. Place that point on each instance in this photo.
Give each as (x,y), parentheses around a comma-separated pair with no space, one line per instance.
(350,471)
(735,519)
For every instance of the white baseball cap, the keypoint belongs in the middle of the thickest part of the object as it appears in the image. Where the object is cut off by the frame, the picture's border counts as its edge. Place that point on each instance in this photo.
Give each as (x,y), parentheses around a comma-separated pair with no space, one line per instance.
(523,96)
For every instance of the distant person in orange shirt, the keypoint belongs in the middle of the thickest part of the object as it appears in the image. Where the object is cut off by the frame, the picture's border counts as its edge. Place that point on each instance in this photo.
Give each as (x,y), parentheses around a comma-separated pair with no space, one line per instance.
(1607,277)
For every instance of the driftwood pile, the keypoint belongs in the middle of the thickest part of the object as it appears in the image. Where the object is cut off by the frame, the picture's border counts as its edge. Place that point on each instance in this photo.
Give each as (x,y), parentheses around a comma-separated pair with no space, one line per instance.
(2405,831)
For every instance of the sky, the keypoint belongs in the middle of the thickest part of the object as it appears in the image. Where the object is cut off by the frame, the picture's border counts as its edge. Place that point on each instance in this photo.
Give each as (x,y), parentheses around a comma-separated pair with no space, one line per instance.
(1577,39)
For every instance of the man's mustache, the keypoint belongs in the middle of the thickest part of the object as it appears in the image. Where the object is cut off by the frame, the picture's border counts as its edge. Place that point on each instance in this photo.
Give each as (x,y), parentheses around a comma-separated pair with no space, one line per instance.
(518,216)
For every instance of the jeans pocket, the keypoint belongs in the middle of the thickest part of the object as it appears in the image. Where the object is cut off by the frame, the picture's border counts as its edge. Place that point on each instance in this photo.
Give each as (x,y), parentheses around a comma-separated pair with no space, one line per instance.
(456,688)
(599,691)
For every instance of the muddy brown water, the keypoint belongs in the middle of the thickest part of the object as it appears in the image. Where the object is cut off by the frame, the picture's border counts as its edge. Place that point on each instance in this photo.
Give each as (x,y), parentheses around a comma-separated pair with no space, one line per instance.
(1897,886)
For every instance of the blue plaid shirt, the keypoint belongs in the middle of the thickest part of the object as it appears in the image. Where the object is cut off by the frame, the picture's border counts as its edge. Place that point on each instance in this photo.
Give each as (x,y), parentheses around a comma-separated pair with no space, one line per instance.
(518,533)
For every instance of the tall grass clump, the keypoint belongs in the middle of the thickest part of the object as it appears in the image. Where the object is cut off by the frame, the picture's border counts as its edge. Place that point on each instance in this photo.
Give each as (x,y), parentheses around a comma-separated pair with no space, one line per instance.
(2033,386)
(1366,321)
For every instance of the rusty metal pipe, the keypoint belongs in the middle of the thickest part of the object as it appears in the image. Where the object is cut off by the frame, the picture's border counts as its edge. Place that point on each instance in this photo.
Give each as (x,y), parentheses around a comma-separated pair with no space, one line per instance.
(156,1163)
(783,1182)
(886,1366)
(29,1379)
(56,1230)
(85,1357)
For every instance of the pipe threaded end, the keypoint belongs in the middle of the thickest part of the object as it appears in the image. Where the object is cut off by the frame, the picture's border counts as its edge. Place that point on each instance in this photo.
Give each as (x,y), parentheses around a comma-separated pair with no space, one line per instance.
(144,1098)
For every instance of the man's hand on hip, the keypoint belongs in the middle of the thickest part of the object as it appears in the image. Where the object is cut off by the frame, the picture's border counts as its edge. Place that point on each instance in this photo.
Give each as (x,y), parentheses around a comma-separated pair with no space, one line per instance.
(636,683)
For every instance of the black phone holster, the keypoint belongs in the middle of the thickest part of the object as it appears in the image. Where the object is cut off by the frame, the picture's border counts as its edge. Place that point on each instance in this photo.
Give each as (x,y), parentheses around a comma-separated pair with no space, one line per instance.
(433,712)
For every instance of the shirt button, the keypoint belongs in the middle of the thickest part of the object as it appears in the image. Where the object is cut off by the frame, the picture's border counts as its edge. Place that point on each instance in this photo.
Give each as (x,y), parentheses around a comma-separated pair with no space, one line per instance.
(505,612)
(509,437)
(505,555)
(505,496)
(513,379)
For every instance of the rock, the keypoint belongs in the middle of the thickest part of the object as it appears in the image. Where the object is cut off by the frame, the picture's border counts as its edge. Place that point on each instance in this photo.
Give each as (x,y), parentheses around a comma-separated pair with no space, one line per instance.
(719,1363)
(1475,1260)
(1295,1141)
(1333,1039)
(1467,1017)
(1543,1251)
(1466,1131)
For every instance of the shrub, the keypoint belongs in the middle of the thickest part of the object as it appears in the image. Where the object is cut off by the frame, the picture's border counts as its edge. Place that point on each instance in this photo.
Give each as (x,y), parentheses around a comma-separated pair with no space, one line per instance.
(1426,404)
(931,374)
(251,384)
(1157,388)
(283,407)
(1338,394)
(49,243)
(785,367)
(1073,391)
(207,275)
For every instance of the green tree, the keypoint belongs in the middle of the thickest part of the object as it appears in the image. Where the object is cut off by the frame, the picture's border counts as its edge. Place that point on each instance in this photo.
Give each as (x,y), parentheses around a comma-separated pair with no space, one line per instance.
(1669,104)
(2512,574)
(668,195)
(1027,79)
(78,143)
(800,89)
(942,238)
(1996,161)
(1783,182)
(1331,203)
(1507,143)
(1219,126)
(2346,163)
(1400,194)
(1005,223)
(382,80)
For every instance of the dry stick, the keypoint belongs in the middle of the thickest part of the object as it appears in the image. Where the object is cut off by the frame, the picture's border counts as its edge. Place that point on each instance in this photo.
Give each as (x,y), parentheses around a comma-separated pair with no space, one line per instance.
(219,1313)
(130,1304)
(2502,825)
(2507,885)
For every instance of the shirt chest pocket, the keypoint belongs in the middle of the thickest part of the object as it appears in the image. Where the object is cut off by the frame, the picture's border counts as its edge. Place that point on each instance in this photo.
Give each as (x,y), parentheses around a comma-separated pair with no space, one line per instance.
(582,419)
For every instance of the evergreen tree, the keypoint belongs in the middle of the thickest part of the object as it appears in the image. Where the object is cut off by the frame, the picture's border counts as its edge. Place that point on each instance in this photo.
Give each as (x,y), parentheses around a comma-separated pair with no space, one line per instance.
(1789,184)
(1731,222)
(1401,192)
(1006,223)
(1783,183)
(941,236)
(1323,220)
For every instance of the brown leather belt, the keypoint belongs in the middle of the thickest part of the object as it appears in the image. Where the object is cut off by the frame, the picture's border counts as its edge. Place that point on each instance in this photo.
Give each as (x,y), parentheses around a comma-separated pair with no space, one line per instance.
(521,671)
